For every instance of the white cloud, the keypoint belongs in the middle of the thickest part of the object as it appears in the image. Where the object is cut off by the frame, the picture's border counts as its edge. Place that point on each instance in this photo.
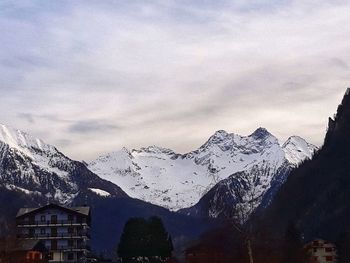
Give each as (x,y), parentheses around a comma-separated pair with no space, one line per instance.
(171,73)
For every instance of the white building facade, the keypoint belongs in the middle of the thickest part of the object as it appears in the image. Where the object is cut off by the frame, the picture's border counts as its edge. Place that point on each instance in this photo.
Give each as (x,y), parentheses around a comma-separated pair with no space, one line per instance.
(321,251)
(64,231)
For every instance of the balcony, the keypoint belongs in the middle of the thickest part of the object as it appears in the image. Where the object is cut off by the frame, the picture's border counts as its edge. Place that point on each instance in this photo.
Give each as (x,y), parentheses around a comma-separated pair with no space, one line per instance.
(79,247)
(30,223)
(75,235)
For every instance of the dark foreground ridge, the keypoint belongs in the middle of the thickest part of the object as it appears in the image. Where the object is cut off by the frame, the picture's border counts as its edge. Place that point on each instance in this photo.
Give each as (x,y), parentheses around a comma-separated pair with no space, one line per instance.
(316,196)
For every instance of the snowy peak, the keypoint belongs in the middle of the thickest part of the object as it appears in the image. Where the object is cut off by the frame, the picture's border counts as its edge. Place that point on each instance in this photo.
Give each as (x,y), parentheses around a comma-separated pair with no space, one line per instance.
(220,136)
(122,157)
(155,150)
(257,141)
(263,136)
(297,149)
(31,166)
(260,133)
(21,141)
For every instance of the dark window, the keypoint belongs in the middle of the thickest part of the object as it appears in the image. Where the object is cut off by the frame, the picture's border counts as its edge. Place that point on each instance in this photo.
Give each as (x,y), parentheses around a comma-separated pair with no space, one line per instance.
(54,219)
(53,231)
(50,256)
(70,256)
(328,249)
(42,219)
(329,258)
(53,244)
(70,230)
(70,218)
(42,231)
(70,243)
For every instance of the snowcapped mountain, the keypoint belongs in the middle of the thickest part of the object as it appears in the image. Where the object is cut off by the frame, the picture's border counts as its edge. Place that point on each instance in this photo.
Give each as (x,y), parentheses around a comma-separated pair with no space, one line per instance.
(227,171)
(31,166)
(297,149)
(176,181)
(33,173)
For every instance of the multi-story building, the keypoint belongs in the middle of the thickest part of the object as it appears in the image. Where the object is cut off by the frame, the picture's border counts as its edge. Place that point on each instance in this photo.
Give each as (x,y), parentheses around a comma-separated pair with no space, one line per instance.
(64,231)
(321,251)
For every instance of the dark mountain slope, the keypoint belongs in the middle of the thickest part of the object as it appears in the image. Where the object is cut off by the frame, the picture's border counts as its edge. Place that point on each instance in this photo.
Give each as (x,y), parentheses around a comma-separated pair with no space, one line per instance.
(109,216)
(316,196)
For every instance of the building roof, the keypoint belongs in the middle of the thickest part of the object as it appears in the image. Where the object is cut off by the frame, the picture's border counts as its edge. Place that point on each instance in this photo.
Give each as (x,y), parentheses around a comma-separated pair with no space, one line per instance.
(83,210)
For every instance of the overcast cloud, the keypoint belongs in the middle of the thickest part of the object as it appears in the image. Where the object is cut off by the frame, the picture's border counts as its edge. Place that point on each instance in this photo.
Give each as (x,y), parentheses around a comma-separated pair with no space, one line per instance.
(94,76)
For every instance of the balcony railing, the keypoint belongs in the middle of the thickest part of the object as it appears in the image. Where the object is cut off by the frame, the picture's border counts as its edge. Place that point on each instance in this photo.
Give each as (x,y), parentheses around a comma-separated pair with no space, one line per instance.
(81,234)
(51,222)
(70,248)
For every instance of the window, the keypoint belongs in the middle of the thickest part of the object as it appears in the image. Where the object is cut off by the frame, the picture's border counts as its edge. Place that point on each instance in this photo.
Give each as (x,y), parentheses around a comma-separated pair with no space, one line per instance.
(329,258)
(70,243)
(42,231)
(42,218)
(70,230)
(70,218)
(53,231)
(54,219)
(50,256)
(53,244)
(328,249)
(70,256)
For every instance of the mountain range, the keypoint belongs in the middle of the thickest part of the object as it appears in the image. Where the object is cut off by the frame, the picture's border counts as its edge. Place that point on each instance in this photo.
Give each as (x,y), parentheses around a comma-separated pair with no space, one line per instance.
(33,173)
(198,185)
(229,170)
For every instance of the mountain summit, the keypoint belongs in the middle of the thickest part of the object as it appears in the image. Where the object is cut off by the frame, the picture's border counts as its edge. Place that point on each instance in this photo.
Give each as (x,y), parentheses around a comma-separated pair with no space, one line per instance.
(176,181)
(31,166)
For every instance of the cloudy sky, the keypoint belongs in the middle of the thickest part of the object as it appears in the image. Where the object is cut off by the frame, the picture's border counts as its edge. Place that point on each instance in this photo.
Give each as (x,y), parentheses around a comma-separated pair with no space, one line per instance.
(94,76)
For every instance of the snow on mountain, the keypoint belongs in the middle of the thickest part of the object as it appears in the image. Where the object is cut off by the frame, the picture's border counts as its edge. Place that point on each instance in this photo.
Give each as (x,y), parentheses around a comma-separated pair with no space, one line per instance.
(30,165)
(99,192)
(22,141)
(297,149)
(175,181)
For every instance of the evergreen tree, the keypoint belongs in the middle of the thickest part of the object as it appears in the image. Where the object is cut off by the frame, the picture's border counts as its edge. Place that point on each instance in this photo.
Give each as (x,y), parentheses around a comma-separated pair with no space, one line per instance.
(145,239)
(133,239)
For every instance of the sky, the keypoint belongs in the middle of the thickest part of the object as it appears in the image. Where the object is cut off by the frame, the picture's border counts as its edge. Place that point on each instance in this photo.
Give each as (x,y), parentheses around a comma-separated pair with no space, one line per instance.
(92,77)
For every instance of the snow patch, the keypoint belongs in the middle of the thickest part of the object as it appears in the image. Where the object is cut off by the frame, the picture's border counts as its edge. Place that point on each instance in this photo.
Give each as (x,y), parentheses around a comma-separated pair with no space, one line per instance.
(99,192)
(26,191)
